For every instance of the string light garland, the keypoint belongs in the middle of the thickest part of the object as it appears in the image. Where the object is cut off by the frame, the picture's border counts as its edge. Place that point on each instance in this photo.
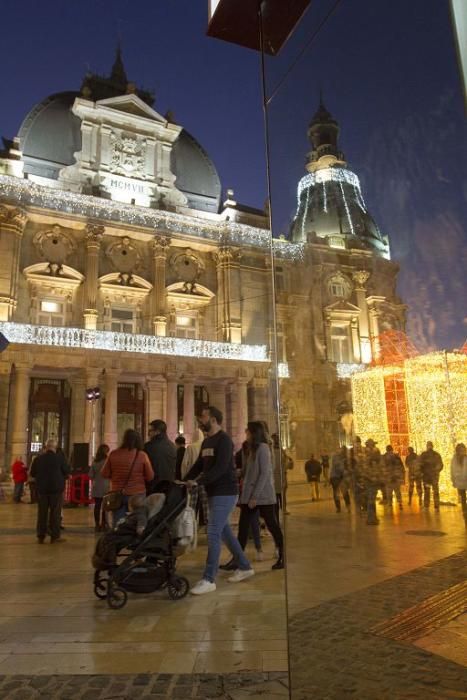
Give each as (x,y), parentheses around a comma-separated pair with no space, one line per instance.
(28,334)
(26,193)
(346,369)
(435,388)
(283,370)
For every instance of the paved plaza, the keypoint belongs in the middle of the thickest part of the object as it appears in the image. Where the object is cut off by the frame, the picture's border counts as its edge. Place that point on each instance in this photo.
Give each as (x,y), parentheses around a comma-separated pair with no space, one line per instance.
(347,583)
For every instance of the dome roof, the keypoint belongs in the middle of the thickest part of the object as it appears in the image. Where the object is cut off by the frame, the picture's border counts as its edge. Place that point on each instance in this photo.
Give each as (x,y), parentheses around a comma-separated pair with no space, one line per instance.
(331,206)
(51,134)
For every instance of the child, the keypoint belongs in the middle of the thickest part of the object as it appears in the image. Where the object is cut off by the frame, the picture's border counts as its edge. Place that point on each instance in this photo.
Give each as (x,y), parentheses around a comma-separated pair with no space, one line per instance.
(142,509)
(19,473)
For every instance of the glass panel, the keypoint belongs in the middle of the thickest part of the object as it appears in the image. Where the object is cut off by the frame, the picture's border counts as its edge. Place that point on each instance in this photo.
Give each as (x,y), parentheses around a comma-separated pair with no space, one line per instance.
(365,119)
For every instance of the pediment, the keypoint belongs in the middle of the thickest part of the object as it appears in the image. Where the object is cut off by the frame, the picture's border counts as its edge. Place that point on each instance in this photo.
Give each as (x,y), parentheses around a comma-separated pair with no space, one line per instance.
(343,305)
(132,104)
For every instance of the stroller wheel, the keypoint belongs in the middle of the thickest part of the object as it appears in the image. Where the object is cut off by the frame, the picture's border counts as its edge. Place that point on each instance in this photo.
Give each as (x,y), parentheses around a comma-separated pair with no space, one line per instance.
(116,598)
(101,585)
(178,587)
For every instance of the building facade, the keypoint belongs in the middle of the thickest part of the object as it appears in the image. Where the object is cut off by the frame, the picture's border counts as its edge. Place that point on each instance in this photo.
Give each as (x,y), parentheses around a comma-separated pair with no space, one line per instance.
(122,268)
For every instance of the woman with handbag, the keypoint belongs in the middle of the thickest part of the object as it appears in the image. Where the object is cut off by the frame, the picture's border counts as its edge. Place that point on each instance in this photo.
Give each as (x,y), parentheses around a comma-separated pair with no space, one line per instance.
(128,469)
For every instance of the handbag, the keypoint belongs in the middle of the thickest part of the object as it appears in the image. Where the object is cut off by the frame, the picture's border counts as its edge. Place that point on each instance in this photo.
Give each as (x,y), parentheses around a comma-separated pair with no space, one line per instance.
(113,500)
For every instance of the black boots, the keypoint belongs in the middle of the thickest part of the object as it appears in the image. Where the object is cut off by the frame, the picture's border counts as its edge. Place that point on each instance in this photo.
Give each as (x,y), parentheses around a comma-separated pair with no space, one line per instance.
(279,563)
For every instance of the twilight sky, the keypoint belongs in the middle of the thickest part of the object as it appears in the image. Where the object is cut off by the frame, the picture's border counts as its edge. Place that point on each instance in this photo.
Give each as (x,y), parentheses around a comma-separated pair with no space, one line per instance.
(389,75)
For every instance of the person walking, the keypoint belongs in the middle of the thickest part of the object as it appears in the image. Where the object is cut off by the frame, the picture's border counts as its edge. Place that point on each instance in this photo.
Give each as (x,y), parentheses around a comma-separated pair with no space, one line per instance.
(241,458)
(19,474)
(215,470)
(277,469)
(49,470)
(394,475)
(459,474)
(370,472)
(162,453)
(129,470)
(412,463)
(313,471)
(339,478)
(431,465)
(258,491)
(99,487)
(325,465)
(180,444)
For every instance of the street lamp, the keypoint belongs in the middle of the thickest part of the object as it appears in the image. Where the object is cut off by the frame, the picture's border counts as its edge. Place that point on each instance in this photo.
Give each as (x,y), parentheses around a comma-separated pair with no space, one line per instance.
(93,394)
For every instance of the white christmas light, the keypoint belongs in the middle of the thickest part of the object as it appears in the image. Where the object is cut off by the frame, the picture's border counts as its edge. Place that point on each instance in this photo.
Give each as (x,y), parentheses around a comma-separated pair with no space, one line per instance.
(27,334)
(328,175)
(24,192)
(283,370)
(345,369)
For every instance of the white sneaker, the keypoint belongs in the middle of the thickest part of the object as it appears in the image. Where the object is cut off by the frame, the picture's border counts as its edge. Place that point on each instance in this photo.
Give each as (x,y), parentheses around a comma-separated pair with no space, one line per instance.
(202,587)
(241,575)
(259,555)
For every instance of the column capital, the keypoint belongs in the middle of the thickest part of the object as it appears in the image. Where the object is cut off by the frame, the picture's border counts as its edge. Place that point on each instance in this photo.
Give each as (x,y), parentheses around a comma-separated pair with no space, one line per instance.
(13,218)
(111,374)
(226,255)
(160,246)
(94,233)
(360,277)
(22,367)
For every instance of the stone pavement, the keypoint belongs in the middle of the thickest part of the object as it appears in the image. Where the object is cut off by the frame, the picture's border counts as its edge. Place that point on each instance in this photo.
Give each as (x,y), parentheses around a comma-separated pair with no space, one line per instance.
(344,578)
(244,686)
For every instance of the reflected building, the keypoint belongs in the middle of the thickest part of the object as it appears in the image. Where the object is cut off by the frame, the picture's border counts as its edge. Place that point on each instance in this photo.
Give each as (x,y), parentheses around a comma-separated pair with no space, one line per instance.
(334,303)
(123,267)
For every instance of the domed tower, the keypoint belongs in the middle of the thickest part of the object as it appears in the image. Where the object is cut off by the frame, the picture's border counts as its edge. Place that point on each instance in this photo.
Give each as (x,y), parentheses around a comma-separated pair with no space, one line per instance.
(330,201)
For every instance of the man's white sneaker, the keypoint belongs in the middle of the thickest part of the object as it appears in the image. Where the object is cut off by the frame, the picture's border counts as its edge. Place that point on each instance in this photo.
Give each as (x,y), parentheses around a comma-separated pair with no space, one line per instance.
(241,575)
(202,587)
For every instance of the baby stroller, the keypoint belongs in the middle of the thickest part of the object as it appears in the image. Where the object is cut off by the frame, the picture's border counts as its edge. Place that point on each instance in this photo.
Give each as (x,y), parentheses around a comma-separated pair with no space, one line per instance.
(148,563)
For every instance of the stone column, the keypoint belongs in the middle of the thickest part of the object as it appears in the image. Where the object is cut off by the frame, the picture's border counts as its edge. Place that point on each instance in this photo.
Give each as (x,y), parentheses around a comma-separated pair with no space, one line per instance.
(259,404)
(360,278)
(356,350)
(188,408)
(229,327)
(20,418)
(110,416)
(5,376)
(78,409)
(94,234)
(217,398)
(374,329)
(161,245)
(242,407)
(172,407)
(12,223)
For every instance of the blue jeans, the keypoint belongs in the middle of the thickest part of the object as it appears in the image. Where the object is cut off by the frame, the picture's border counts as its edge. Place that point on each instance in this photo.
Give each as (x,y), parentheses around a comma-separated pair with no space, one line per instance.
(219,530)
(121,512)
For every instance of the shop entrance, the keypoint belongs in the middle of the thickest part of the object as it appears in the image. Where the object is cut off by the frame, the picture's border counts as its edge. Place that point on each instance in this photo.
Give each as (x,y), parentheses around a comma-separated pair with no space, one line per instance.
(49,414)
(130,409)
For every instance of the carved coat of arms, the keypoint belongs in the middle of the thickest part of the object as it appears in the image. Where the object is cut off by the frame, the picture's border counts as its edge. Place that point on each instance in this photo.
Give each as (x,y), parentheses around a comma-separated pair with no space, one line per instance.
(128,155)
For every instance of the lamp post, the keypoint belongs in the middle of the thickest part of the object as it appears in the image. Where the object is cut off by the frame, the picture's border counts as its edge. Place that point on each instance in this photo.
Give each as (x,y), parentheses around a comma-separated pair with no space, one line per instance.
(93,394)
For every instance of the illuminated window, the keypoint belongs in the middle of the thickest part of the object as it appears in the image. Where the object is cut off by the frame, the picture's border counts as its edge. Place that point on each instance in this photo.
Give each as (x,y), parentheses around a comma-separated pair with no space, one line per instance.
(337,289)
(336,242)
(340,343)
(51,313)
(185,326)
(123,320)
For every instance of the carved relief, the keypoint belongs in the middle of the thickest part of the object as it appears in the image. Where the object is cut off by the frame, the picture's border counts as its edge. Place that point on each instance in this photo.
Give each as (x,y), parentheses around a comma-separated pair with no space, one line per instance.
(94,233)
(128,155)
(338,286)
(125,257)
(360,277)
(54,245)
(188,267)
(13,216)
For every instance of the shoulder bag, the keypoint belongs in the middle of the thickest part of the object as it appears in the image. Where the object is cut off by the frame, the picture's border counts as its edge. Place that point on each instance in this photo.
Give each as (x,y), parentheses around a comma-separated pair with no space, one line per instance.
(114,499)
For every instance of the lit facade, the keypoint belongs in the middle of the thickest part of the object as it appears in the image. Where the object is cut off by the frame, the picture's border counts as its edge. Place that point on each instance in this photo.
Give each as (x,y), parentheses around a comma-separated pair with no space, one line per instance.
(121,268)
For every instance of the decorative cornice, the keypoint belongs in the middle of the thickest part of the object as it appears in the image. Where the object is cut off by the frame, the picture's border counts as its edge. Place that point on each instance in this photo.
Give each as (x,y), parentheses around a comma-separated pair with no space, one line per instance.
(26,193)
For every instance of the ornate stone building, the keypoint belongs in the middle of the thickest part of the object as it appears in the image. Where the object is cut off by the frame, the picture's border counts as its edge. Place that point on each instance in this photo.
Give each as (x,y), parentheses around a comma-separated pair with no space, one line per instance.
(121,268)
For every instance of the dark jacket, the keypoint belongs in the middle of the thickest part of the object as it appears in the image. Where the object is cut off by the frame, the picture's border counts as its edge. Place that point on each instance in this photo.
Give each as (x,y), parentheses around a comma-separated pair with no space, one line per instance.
(178,466)
(50,471)
(162,454)
(215,468)
(313,470)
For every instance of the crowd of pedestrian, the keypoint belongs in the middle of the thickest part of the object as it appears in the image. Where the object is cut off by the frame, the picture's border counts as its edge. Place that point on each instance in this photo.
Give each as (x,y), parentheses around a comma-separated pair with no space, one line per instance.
(250,479)
(361,472)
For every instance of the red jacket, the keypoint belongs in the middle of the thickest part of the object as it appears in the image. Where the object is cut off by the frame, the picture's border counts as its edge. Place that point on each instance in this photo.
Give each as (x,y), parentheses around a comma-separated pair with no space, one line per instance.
(19,472)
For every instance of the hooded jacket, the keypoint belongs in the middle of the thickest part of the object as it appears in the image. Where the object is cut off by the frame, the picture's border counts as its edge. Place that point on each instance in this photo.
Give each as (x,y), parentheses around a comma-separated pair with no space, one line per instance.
(162,454)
